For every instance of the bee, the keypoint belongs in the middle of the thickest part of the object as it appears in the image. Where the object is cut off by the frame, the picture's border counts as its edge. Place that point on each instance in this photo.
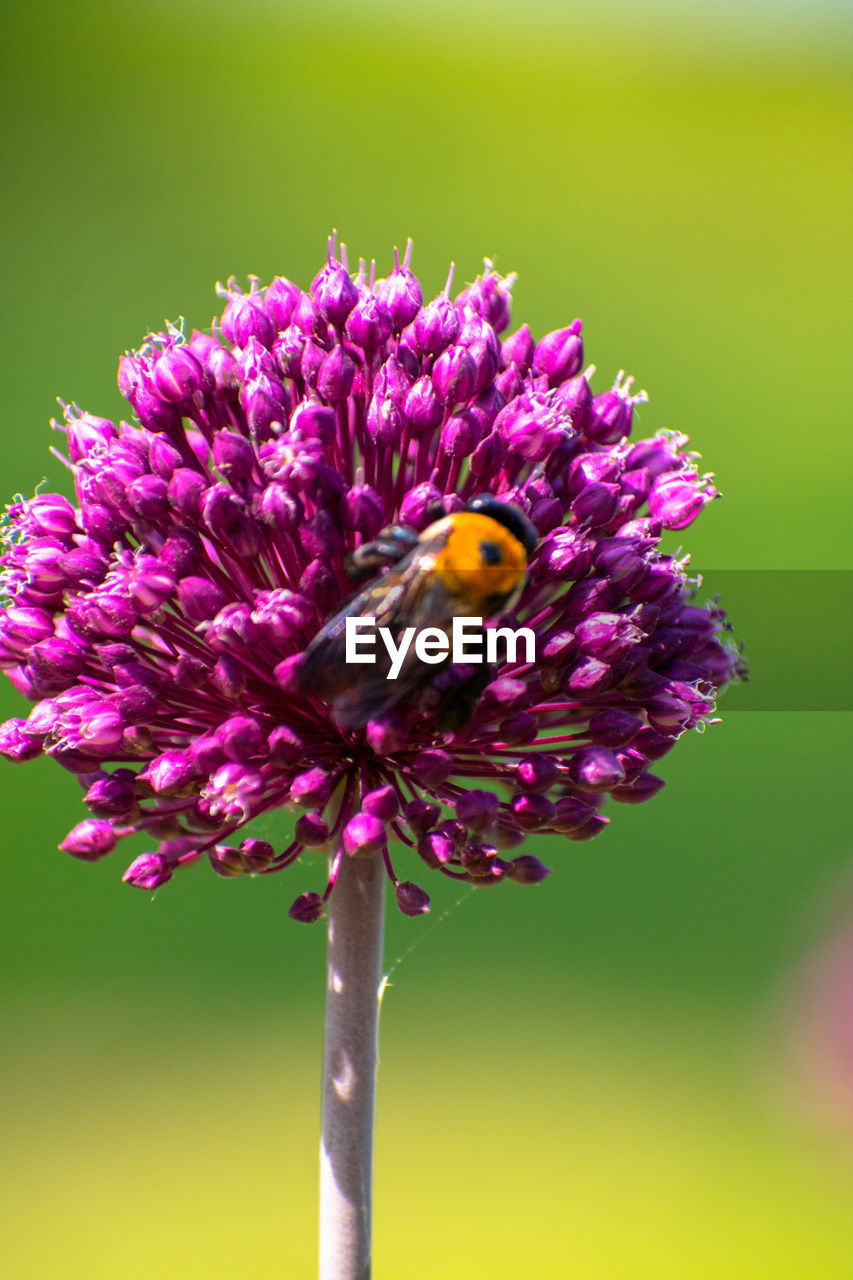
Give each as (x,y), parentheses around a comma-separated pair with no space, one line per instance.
(469,565)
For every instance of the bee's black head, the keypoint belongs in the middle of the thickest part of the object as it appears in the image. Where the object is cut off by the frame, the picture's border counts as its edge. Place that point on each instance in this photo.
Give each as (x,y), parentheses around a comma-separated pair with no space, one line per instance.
(486,504)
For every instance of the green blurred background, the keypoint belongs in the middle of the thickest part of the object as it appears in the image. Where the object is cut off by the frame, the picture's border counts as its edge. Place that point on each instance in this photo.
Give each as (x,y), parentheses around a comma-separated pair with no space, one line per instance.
(611,1075)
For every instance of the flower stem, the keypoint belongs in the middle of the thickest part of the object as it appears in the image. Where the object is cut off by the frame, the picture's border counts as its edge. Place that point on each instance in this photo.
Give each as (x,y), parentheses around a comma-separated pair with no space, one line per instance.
(353,977)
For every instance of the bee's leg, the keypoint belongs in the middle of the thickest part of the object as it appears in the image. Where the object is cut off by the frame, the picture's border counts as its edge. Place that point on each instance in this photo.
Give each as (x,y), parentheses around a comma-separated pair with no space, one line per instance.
(393,542)
(457,703)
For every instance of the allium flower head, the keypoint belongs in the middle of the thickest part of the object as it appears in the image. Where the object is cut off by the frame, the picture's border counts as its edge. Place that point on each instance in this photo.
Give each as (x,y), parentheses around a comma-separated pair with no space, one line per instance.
(157,625)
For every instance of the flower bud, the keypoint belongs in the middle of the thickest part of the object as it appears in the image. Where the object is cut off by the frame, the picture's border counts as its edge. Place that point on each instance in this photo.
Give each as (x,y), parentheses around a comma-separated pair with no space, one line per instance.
(411,899)
(148,871)
(559,355)
(89,840)
(363,836)
(307,908)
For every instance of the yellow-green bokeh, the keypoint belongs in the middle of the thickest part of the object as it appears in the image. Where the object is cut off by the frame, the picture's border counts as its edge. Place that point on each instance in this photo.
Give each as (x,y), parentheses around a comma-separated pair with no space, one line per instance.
(593,1078)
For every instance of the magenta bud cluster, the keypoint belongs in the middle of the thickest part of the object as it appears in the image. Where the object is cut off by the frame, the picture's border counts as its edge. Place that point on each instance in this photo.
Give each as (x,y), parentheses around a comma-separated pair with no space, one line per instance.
(155,620)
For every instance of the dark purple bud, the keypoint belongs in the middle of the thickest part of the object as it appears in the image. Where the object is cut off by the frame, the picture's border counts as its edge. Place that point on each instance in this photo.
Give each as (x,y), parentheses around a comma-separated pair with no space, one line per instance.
(477,810)
(244,318)
(307,317)
(241,737)
(587,469)
(58,660)
(677,498)
(163,458)
(266,404)
(313,355)
(200,599)
(320,535)
(614,728)
(21,627)
(387,735)
(482,864)
(574,399)
(505,693)
(657,455)
(89,840)
(421,815)
(148,497)
(148,871)
(559,355)
(169,772)
(285,746)
(382,803)
(177,374)
(537,772)
(517,350)
(281,509)
(369,323)
(546,515)
(233,455)
(509,384)
(363,511)
(436,849)
(230,677)
(644,786)
(225,861)
(422,506)
(454,376)
(136,704)
(436,325)
(363,836)
(311,789)
(51,514)
(527,870)
(227,517)
(532,811)
(607,636)
(571,813)
(489,297)
(110,796)
(668,714)
(596,505)
(589,675)
(401,295)
(518,730)
(286,673)
(432,767)
(256,854)
(233,791)
(287,351)
(334,293)
(335,375)
(307,909)
(411,899)
(311,831)
(458,439)
(609,419)
(488,457)
(185,492)
(422,407)
(222,368)
(88,434)
(559,648)
(280,299)
(16,743)
(596,769)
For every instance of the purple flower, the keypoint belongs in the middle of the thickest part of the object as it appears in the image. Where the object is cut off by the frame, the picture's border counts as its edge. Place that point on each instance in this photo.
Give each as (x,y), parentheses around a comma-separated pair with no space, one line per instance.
(157,623)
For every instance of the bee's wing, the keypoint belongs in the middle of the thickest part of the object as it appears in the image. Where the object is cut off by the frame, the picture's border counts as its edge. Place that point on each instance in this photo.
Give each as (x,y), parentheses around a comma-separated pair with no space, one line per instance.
(324,666)
(408,596)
